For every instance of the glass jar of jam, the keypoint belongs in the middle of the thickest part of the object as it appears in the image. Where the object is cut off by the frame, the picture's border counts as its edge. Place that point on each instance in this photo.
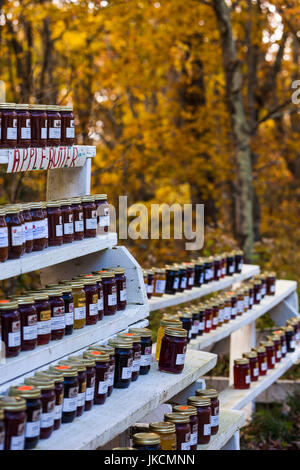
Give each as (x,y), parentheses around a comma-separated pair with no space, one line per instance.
(271,283)
(208,317)
(269,345)
(230,264)
(239,260)
(146,343)
(202,310)
(11,327)
(277,345)
(38,116)
(146,441)
(79,305)
(15,232)
(32,396)
(71,389)
(217,268)
(54,126)
(245,292)
(101,359)
(109,293)
(103,215)
(167,434)
(294,323)
(262,360)
(290,339)
(227,309)
(221,307)
(223,265)
(91,300)
(182,277)
(208,273)
(159,282)
(2,429)
(78,218)
(23,230)
(46,385)
(38,226)
(110,350)
(190,275)
(55,223)
(29,321)
(69,307)
(123,361)
(190,411)
(195,318)
(212,395)
(257,292)
(9,125)
(100,296)
(46,228)
(14,409)
(43,309)
(58,322)
(186,319)
(215,314)
(172,280)
(3,237)
(234,301)
(67,126)
(90,216)
(240,302)
(183,429)
(254,365)
(67,220)
(28,227)
(199,273)
(164,323)
(58,379)
(121,288)
(24,126)
(149,275)
(82,379)
(173,349)
(241,373)
(90,365)
(136,347)
(281,335)
(263,279)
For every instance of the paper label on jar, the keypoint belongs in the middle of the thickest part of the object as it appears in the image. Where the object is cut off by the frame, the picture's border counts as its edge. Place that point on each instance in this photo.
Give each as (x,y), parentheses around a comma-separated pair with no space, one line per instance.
(160,286)
(176,283)
(11,133)
(145,359)
(81,399)
(44,133)
(278,354)
(17,442)
(25,133)
(14,339)
(111,376)
(44,327)
(91,224)
(214,420)
(150,289)
(3,237)
(17,235)
(104,220)
(195,329)
(255,372)
(293,344)
(112,299)
(38,227)
(57,411)
(70,404)
(273,360)
(221,316)
(58,323)
(70,132)
(90,393)
(28,226)
(272,289)
(194,439)
(93,308)
(191,281)
(30,332)
(100,304)
(208,324)
(2,435)
(69,228)
(247,379)
(227,313)
(59,230)
(231,269)
(102,387)
(206,429)
(123,295)
(47,419)
(215,320)
(240,306)
(55,132)
(79,227)
(32,429)
(180,358)
(136,362)
(233,311)
(69,316)
(185,446)
(201,325)
(183,283)
(263,366)
(283,348)
(80,313)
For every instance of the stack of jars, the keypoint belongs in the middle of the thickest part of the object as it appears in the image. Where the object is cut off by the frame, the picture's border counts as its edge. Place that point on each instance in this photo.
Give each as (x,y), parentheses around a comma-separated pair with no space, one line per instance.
(35,125)
(25,228)
(35,409)
(259,360)
(37,317)
(180,277)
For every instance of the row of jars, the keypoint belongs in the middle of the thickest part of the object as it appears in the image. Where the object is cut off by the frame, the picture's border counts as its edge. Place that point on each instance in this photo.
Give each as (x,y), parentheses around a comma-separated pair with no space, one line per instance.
(37,317)
(35,409)
(259,360)
(24,126)
(179,277)
(25,228)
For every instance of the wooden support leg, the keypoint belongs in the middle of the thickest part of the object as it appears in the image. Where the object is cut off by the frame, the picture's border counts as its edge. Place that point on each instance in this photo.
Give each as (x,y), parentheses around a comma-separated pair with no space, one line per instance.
(233,443)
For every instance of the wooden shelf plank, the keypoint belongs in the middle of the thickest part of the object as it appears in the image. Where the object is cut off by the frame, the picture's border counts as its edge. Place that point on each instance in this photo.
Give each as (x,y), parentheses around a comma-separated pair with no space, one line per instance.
(168,300)
(230,422)
(87,151)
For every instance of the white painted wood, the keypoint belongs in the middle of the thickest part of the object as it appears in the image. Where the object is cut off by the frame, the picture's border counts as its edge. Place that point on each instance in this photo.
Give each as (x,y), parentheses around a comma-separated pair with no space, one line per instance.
(289,308)
(69,182)
(168,300)
(157,414)
(52,256)
(233,443)
(125,407)
(230,422)
(87,151)
(181,397)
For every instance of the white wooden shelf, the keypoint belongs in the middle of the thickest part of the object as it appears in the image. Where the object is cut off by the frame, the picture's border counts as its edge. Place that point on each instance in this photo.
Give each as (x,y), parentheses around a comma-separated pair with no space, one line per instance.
(168,300)
(283,290)
(230,422)
(57,254)
(125,407)
(237,399)
(84,151)
(28,361)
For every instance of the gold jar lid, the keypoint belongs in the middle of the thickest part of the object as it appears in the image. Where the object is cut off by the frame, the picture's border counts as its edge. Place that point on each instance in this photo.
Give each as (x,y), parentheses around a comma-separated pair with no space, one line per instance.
(89,281)
(54,293)
(41,296)
(8,304)
(98,356)
(38,107)
(176,332)
(184,315)
(259,349)
(53,204)
(120,343)
(67,108)
(22,106)
(65,202)
(131,336)
(8,403)
(66,369)
(108,274)
(7,105)
(199,401)
(170,322)
(64,288)
(146,438)
(77,285)
(267,344)
(273,338)
(271,274)
(25,391)
(162,427)
(116,270)
(66,362)
(88,198)
(43,383)
(208,392)
(56,376)
(52,107)
(100,197)
(177,417)
(1,414)
(143,332)
(241,361)
(250,355)
(87,362)
(187,410)
(76,200)
(103,347)
(288,328)
(2,212)
(36,205)
(159,271)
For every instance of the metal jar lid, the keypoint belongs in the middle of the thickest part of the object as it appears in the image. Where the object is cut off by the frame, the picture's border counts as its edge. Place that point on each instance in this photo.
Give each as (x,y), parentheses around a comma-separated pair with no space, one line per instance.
(146,438)
(176,332)
(162,427)
(187,410)
(8,403)
(98,356)
(25,391)
(208,392)
(8,305)
(242,361)
(120,343)
(130,336)
(42,383)
(177,417)
(199,401)
(66,370)
(143,332)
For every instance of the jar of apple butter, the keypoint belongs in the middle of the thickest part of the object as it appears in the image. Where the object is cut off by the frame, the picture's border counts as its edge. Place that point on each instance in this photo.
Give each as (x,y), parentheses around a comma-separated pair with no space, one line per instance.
(78,218)
(24,126)
(15,232)
(3,237)
(54,126)
(14,409)
(103,216)
(39,125)
(11,327)
(90,216)
(55,223)
(9,125)
(39,233)
(67,126)
(28,227)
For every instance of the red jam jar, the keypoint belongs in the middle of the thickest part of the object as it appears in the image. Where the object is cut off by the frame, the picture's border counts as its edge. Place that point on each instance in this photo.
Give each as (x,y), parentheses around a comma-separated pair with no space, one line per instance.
(221,307)
(240,302)
(269,345)
(239,260)
(24,126)
(38,226)
(14,409)
(91,298)
(58,322)
(58,379)
(54,126)
(3,237)
(67,126)
(277,345)
(46,228)
(195,318)
(241,373)
(281,335)
(190,411)
(190,275)
(217,268)
(212,395)
(271,283)
(82,379)
(234,309)
(9,125)
(39,125)
(68,221)
(90,216)
(123,361)
(23,230)
(173,349)
(146,344)
(215,315)
(110,350)
(262,360)
(183,429)
(121,288)
(254,365)
(109,293)
(227,309)
(71,389)
(43,309)
(55,223)
(137,352)
(32,395)
(78,218)
(208,318)
(103,215)
(90,366)
(15,232)
(223,265)
(149,282)
(46,385)
(28,227)
(203,406)
(29,322)
(11,327)
(101,378)
(257,292)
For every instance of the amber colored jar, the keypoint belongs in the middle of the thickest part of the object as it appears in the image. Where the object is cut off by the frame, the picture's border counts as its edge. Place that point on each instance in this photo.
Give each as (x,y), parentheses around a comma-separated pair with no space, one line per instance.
(58,379)
(254,365)
(15,232)
(109,293)
(67,126)
(3,237)
(54,126)
(160,280)
(146,441)
(110,350)
(14,409)
(2,429)
(183,429)
(38,125)
(240,303)
(241,373)
(9,125)
(137,350)
(46,385)
(173,349)
(167,434)
(38,226)
(24,126)
(82,379)
(79,304)
(28,227)
(262,360)
(245,291)
(29,321)
(103,215)
(208,318)
(102,372)
(90,216)
(146,344)
(123,361)
(32,395)
(212,395)
(78,218)
(164,323)
(190,411)
(55,223)
(43,309)
(277,345)
(271,283)
(223,265)
(269,345)
(11,327)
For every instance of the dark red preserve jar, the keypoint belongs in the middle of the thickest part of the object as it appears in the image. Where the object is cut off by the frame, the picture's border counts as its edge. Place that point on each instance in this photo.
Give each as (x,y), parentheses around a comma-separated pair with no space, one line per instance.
(46,385)
(190,411)
(9,125)
(55,223)
(212,395)
(39,126)
(43,309)
(90,216)
(101,378)
(203,406)
(15,232)
(11,327)
(28,315)
(24,126)
(14,409)
(241,373)
(3,237)
(109,293)
(78,218)
(54,126)
(67,126)
(173,349)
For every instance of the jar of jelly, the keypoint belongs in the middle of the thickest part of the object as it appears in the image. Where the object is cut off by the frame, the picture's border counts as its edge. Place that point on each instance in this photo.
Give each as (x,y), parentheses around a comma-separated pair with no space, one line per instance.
(2,429)
(121,288)
(3,237)
(71,389)
(38,125)
(28,227)
(257,292)
(110,350)
(241,373)
(90,365)
(43,309)
(190,275)
(207,270)
(29,322)
(109,293)
(238,260)
(240,302)
(136,347)
(230,264)
(24,126)
(172,280)
(183,429)
(294,323)
(212,395)
(150,283)
(9,125)
(262,360)
(38,226)
(167,434)
(221,307)
(227,309)
(164,323)
(217,268)
(159,282)
(263,279)
(67,126)
(14,409)
(58,322)
(15,232)
(202,310)
(190,411)
(90,216)
(101,359)
(223,265)
(277,345)
(32,396)
(79,305)
(215,314)
(182,277)
(234,310)
(58,379)
(69,307)
(91,300)
(208,318)
(173,349)
(245,292)
(199,273)
(146,441)
(281,335)
(67,220)
(123,361)
(82,379)
(271,283)
(254,365)
(290,339)
(46,385)
(103,215)
(146,344)
(11,327)
(78,218)
(46,228)
(54,126)
(100,297)
(23,229)
(269,345)
(55,223)
(186,319)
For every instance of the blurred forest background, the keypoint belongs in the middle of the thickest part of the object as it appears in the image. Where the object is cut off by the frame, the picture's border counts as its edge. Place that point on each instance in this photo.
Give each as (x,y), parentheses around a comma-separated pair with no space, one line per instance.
(187,101)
